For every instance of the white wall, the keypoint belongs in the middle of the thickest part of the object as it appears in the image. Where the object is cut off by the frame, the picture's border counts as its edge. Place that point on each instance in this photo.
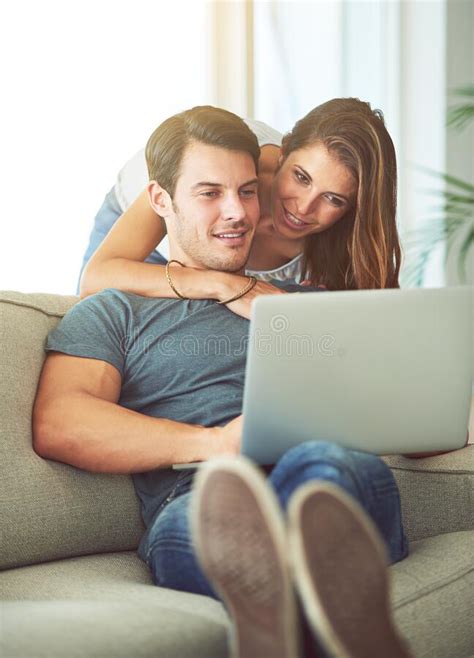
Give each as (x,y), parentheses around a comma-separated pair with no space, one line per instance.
(83,85)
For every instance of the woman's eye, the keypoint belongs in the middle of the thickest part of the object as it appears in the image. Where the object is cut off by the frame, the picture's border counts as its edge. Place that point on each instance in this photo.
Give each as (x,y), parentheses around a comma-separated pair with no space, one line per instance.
(209,195)
(248,193)
(336,201)
(301,177)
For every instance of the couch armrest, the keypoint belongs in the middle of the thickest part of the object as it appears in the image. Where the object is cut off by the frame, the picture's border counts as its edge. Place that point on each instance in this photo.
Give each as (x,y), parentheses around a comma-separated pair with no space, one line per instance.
(437,493)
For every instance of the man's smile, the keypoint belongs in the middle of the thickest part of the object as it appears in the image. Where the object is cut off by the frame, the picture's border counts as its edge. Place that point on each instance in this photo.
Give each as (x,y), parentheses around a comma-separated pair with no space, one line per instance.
(234,238)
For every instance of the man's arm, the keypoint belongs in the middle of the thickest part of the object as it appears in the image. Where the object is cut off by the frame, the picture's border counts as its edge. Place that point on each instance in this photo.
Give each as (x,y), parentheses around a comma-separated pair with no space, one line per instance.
(77,420)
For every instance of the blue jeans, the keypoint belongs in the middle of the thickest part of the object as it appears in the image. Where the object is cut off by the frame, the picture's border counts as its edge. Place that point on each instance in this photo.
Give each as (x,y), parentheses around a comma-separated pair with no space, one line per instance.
(168,547)
(108,214)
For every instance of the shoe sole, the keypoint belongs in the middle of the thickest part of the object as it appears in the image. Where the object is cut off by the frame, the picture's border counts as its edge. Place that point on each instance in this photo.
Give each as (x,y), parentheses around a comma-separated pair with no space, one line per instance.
(239,536)
(340,567)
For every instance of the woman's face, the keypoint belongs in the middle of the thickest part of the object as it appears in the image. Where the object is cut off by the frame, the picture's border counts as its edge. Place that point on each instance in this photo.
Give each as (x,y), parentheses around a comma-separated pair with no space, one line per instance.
(311,191)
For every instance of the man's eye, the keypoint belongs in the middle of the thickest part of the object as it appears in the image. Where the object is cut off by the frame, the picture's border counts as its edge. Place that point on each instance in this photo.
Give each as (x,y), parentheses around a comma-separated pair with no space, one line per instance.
(210,195)
(249,193)
(301,177)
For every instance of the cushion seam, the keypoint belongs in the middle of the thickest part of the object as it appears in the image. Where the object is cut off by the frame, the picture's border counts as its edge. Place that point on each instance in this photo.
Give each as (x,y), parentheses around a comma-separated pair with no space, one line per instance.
(436,586)
(424,470)
(54,314)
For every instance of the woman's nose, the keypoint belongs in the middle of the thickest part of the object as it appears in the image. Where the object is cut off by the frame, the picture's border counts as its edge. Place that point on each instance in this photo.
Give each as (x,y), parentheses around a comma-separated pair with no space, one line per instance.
(307,203)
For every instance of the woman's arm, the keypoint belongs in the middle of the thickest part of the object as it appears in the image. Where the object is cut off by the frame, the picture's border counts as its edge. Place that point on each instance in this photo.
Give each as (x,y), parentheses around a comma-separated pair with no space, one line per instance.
(118,263)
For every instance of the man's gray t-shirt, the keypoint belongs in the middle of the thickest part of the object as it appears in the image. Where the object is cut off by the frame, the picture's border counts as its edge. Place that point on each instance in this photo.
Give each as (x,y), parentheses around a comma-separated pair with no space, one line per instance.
(181,360)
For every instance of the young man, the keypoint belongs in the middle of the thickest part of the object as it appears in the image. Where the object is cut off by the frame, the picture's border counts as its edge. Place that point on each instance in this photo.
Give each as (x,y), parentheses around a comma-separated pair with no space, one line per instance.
(134,385)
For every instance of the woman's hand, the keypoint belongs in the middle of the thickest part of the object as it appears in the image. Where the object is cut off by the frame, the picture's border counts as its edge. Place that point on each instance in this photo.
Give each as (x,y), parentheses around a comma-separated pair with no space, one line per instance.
(243,306)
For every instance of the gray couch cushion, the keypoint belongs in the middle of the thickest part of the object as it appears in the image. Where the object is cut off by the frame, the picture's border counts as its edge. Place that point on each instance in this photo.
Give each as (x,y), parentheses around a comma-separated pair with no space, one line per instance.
(437,493)
(433,596)
(79,629)
(49,510)
(106,605)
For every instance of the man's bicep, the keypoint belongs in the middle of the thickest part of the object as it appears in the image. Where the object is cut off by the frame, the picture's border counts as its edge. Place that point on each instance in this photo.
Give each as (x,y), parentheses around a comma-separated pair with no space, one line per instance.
(63,374)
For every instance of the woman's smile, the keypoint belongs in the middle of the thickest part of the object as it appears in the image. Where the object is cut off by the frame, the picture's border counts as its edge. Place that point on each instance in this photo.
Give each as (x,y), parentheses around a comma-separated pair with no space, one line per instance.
(295,222)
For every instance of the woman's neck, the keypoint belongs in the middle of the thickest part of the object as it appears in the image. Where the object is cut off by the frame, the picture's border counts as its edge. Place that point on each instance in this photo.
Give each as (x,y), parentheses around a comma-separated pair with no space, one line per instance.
(270,251)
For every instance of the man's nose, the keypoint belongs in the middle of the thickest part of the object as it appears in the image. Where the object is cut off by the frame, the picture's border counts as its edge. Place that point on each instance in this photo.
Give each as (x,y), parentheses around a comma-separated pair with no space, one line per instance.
(233,207)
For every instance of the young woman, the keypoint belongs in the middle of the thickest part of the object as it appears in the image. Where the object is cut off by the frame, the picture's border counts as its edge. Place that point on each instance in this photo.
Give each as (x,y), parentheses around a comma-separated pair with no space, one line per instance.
(327,199)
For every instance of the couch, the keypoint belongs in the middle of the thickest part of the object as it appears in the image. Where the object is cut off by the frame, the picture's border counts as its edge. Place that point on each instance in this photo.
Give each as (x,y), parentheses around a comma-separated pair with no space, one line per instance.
(72,585)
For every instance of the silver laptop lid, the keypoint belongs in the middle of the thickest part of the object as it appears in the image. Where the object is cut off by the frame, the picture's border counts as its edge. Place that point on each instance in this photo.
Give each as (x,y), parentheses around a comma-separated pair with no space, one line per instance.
(386,371)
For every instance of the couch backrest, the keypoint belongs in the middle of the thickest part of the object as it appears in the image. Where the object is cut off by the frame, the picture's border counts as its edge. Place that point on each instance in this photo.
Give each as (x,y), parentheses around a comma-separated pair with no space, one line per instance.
(49,510)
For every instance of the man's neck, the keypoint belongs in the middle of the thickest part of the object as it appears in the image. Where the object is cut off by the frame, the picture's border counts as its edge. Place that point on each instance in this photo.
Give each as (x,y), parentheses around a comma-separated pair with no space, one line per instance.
(188,261)
(185,260)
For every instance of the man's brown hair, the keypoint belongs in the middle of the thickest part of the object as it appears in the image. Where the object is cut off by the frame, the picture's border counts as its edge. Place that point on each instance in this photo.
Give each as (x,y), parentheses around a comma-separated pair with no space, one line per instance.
(206,124)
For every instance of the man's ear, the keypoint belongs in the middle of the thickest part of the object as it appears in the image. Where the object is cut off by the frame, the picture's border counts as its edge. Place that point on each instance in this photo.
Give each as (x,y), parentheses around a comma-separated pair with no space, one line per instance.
(160,200)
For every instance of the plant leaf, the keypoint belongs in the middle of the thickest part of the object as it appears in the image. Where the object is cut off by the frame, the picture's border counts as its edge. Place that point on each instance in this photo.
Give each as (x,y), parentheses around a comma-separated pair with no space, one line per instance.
(468,90)
(451,180)
(459,116)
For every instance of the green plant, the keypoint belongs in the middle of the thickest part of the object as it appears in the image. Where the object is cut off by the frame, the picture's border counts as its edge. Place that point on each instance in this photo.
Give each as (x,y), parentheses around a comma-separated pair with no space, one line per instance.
(455,223)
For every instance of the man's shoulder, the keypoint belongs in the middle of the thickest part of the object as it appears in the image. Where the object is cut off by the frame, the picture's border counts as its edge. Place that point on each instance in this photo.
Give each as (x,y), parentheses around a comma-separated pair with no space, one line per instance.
(115,299)
(109,306)
(120,306)
(109,298)
(97,327)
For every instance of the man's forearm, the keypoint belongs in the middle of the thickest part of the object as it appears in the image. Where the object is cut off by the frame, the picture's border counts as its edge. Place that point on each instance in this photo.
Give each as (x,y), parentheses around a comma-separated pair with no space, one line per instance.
(149,280)
(97,435)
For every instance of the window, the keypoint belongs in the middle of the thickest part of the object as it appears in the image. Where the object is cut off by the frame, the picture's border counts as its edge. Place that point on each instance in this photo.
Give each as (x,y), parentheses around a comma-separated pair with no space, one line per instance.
(86,83)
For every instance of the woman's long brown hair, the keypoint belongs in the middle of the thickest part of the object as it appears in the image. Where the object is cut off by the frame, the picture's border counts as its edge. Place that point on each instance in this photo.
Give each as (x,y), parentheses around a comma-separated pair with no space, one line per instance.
(362,250)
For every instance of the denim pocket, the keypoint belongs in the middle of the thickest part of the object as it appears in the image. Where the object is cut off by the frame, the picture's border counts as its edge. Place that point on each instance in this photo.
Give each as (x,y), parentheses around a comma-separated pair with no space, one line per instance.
(182,485)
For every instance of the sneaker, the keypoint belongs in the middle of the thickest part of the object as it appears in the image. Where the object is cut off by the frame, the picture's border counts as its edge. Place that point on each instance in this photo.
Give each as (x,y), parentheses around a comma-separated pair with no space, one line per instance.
(339,565)
(239,536)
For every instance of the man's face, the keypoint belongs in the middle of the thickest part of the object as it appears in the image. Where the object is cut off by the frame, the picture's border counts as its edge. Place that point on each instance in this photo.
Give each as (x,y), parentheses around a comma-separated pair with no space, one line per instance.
(215,208)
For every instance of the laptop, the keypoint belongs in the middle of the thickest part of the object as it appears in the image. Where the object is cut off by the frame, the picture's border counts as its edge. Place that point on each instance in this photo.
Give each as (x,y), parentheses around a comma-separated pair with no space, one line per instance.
(381,371)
